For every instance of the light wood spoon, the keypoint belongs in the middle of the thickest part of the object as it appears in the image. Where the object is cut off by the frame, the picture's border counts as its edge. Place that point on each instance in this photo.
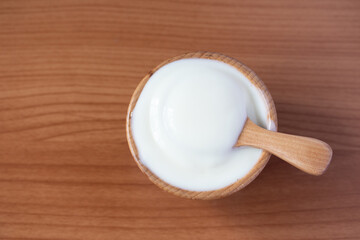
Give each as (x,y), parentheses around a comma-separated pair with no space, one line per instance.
(308,154)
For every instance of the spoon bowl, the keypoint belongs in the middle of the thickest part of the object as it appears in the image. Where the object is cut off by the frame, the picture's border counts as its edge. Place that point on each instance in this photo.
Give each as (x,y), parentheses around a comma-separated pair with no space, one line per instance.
(239,184)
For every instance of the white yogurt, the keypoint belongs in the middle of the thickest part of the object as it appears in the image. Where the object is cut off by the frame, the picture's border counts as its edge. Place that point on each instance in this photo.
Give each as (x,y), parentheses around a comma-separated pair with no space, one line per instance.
(188,118)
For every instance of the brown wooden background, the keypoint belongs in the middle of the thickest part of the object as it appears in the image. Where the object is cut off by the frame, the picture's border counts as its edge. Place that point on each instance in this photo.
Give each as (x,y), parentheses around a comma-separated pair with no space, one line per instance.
(68,69)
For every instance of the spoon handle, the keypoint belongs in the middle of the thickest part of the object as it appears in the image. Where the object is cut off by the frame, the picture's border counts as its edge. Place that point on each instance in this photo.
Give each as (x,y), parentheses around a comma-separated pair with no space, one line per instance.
(307,154)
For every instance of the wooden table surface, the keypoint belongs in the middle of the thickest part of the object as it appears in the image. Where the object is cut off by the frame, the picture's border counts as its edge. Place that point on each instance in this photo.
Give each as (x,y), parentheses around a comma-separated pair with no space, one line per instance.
(67,72)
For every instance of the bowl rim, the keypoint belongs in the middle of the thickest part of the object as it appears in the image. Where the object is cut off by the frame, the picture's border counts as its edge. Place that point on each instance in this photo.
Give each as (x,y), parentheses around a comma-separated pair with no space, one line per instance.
(240,183)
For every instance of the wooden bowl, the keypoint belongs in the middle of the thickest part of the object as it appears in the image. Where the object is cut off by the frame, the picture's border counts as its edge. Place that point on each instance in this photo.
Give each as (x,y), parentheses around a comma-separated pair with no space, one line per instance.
(219,193)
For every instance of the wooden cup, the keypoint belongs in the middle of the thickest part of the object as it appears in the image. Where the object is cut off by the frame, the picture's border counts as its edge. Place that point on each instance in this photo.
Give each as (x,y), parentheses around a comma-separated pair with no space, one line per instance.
(239,184)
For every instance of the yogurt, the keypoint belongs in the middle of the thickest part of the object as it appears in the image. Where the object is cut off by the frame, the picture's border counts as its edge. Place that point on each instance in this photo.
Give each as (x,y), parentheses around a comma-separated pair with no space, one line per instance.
(187,119)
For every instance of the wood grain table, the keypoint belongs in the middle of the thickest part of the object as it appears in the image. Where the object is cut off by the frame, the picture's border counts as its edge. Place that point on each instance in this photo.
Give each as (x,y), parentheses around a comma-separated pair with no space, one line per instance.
(67,72)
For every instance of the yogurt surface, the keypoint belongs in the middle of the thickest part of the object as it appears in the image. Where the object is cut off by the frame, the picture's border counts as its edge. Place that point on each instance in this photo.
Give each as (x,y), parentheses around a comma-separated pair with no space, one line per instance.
(187,119)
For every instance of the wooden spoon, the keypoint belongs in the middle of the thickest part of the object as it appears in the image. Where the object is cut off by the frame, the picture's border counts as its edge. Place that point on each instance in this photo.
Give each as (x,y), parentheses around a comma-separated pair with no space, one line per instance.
(308,154)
